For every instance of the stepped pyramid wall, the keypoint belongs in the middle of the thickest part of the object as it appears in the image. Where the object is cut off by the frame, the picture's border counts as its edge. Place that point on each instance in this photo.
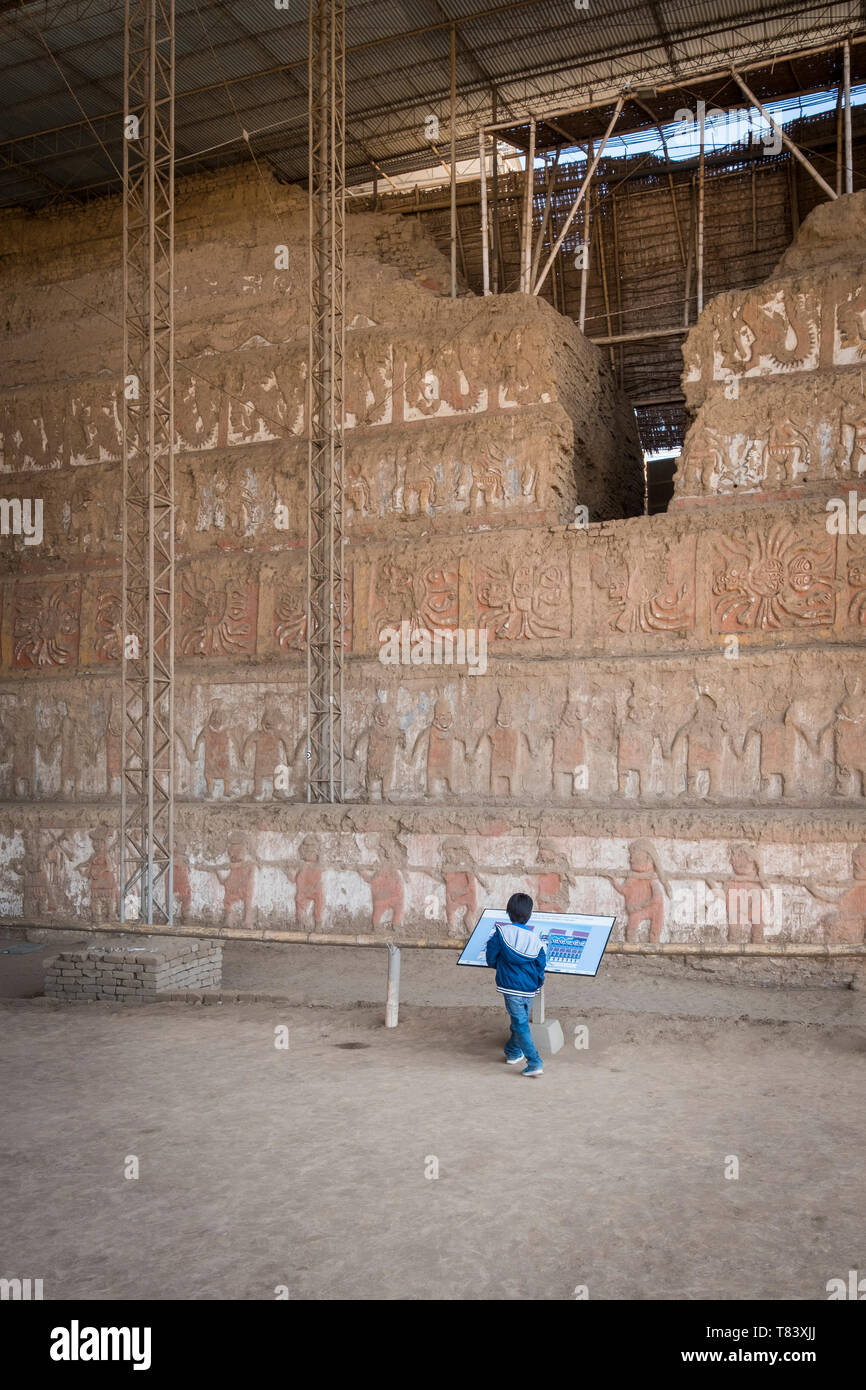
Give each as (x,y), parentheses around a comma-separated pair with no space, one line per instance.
(660,717)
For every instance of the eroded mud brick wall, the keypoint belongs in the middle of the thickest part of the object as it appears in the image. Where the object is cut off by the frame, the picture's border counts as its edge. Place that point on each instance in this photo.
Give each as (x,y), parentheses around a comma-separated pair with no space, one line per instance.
(662,717)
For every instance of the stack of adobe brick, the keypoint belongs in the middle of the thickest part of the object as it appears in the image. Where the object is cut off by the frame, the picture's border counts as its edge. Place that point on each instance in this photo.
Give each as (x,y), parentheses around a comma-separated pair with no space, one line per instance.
(133,973)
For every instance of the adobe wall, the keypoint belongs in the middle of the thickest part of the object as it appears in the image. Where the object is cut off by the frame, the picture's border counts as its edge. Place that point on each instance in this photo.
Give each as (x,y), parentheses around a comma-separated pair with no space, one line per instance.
(775,376)
(670,722)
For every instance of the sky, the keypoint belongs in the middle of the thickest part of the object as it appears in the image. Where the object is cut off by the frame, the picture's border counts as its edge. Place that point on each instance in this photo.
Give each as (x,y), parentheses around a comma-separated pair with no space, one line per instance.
(723,129)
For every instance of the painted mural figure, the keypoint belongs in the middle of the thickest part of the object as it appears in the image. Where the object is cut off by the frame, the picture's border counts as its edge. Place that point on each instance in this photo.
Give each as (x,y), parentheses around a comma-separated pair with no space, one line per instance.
(369,384)
(290,618)
(382,737)
(744,897)
(71,744)
(552,879)
(20,744)
(776,747)
(705,456)
(487,485)
(39,898)
(851,318)
(214,506)
(239,879)
(82,526)
(506,744)
(847,925)
(528,482)
(422,485)
(180,883)
(217,750)
(100,875)
(850,742)
(7,749)
(442,758)
(635,749)
(386,886)
(461,887)
(854,444)
(752,470)
(358,489)
(813,746)
(786,453)
(739,759)
(309,885)
(109,633)
(110,738)
(569,753)
(454,380)
(271,752)
(644,892)
(56,859)
(857,582)
(703,734)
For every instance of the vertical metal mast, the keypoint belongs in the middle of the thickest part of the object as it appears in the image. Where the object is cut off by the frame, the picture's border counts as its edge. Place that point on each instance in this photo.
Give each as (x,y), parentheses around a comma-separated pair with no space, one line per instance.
(325,597)
(147,818)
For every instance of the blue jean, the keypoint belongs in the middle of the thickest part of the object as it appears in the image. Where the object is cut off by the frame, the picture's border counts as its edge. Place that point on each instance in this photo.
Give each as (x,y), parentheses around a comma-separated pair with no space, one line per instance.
(520,1039)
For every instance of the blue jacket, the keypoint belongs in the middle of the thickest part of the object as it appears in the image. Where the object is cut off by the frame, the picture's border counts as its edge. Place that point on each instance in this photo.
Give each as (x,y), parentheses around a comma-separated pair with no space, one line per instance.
(519,958)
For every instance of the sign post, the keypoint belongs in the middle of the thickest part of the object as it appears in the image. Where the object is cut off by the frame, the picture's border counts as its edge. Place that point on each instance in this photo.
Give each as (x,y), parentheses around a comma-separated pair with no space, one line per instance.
(546,1033)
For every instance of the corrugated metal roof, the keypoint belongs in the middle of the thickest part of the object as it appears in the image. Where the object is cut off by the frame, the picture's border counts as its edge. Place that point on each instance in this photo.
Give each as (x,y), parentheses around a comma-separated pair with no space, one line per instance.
(242,66)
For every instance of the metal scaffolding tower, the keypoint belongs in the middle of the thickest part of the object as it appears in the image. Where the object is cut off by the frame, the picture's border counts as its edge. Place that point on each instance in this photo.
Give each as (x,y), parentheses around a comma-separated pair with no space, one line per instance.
(325,591)
(148,461)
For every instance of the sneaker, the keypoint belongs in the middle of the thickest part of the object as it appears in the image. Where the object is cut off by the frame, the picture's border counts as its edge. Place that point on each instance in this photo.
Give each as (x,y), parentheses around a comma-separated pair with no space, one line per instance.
(532,1071)
(510,1061)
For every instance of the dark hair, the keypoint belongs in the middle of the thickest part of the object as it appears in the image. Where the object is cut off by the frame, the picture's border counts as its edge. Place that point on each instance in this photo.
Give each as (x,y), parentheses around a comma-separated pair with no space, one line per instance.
(519,907)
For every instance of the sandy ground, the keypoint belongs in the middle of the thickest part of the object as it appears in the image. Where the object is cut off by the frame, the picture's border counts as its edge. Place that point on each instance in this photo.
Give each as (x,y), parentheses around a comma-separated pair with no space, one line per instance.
(306,1167)
(335,975)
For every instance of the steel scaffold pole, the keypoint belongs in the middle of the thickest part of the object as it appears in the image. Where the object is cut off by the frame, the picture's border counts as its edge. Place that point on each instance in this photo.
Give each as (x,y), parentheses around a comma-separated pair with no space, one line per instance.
(325,588)
(147,621)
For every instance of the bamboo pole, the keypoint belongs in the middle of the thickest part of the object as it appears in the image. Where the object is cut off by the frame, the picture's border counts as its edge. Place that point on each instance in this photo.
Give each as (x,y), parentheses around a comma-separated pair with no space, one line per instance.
(691,258)
(520,220)
(497,247)
(548,194)
(526,243)
(554,279)
(849,149)
(639,337)
(839,138)
(618,272)
(792,195)
(584,267)
(462,250)
(579,199)
(600,244)
(500,252)
(702,127)
(485,254)
(786,139)
(453,161)
(557,279)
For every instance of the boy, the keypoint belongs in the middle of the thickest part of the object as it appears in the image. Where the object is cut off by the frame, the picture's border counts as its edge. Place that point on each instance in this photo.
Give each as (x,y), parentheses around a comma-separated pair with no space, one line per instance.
(519,958)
